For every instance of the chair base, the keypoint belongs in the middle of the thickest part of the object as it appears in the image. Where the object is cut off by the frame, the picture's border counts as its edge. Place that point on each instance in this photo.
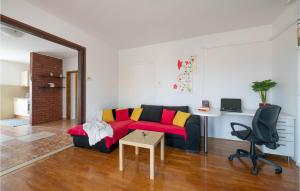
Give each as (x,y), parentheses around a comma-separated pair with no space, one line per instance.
(254,158)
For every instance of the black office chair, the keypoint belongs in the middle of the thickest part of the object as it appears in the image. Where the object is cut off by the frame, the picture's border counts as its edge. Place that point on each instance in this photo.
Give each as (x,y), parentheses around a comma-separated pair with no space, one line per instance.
(263,132)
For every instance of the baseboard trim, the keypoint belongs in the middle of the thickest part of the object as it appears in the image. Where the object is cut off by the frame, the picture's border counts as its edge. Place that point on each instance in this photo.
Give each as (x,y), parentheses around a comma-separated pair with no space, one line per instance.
(33,160)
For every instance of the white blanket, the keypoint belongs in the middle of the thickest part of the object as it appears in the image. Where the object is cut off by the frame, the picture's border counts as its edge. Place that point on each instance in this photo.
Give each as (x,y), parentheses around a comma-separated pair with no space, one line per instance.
(97,130)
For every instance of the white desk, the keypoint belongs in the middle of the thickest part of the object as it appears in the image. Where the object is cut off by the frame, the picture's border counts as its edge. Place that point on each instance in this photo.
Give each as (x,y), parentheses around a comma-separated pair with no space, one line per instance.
(214,112)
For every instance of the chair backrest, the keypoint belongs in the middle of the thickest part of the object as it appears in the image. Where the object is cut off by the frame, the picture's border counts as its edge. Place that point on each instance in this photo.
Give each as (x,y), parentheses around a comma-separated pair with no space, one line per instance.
(264,125)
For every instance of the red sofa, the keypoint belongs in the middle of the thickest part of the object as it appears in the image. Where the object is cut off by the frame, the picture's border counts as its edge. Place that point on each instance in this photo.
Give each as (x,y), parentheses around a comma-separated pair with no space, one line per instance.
(80,138)
(187,138)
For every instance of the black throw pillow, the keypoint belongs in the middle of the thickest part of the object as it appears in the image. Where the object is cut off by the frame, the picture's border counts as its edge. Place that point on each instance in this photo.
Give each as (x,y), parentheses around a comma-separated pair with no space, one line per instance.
(151,113)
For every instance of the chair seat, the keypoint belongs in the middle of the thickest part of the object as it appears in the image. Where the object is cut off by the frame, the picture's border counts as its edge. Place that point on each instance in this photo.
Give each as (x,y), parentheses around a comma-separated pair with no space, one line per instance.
(243,135)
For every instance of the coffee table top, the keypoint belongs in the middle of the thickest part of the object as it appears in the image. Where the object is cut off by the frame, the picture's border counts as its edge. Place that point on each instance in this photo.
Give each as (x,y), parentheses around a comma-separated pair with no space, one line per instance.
(136,138)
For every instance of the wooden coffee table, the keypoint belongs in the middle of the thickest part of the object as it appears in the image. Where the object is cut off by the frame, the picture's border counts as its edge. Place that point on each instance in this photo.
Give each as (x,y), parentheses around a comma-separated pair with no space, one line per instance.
(144,139)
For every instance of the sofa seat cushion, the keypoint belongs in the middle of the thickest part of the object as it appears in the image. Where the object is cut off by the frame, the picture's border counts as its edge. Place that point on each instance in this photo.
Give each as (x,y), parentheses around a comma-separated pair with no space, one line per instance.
(120,129)
(153,126)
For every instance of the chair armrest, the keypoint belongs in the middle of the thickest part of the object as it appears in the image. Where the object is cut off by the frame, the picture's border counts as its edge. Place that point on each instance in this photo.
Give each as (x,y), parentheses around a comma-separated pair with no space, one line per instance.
(241,125)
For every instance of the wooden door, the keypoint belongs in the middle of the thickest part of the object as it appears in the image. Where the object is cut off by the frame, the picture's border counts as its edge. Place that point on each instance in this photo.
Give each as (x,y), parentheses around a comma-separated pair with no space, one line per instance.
(69,93)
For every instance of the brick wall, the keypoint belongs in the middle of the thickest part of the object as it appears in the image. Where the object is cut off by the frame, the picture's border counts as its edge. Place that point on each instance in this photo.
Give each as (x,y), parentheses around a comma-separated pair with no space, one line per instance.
(46,102)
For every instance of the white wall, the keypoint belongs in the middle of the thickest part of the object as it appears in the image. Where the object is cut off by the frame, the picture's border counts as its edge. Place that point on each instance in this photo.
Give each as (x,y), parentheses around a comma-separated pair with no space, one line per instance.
(227,64)
(285,61)
(284,68)
(101,61)
(10,72)
(69,64)
(230,70)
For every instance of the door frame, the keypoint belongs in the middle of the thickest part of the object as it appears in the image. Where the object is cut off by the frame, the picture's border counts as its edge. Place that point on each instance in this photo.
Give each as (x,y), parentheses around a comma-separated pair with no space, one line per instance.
(81,88)
(68,93)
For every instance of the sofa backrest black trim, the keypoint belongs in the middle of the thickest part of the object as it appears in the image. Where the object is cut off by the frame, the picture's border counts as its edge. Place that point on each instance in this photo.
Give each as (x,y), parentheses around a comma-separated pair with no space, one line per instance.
(151,113)
(177,108)
(154,112)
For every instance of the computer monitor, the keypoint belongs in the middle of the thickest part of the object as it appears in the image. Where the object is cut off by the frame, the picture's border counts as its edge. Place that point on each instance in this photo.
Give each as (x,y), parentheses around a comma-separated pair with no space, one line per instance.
(231,105)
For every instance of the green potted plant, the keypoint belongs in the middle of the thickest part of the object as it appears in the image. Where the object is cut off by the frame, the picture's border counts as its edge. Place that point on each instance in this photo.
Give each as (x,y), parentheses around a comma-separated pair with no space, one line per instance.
(263,87)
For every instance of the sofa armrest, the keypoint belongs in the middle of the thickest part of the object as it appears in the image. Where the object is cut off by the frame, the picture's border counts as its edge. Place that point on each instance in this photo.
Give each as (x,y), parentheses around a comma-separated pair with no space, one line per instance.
(193,120)
(193,131)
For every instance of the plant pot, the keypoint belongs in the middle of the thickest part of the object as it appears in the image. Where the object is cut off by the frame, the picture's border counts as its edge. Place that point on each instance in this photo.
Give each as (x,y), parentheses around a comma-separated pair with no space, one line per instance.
(264,104)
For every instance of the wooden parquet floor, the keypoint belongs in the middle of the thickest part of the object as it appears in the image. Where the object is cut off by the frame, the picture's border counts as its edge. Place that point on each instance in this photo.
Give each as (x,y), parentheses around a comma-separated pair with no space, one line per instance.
(16,152)
(82,169)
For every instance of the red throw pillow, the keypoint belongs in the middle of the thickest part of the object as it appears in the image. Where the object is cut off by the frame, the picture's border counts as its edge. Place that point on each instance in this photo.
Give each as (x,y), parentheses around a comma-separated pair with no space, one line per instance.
(167,116)
(122,114)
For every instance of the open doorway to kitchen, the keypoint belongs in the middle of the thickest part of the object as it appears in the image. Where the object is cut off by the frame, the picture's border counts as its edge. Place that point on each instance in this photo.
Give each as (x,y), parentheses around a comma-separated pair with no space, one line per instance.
(14,86)
(42,80)
(55,39)
(33,74)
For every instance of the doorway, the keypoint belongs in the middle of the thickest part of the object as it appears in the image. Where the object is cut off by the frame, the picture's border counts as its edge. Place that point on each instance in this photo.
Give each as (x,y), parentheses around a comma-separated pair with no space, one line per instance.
(55,39)
(72,96)
(49,82)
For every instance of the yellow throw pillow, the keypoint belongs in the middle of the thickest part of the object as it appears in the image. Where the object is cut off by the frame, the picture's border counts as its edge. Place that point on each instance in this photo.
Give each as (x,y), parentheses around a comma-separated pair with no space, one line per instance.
(107,115)
(180,118)
(136,114)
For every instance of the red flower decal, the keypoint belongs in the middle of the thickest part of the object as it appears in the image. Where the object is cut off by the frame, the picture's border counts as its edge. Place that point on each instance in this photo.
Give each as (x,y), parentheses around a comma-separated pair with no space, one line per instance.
(179,64)
(187,62)
(175,86)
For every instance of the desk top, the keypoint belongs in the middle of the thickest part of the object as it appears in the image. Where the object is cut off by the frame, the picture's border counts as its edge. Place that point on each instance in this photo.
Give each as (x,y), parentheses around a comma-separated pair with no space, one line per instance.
(211,113)
(214,112)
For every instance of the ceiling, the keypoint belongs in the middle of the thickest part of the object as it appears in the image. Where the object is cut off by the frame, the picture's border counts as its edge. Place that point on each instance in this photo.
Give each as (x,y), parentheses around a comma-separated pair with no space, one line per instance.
(18,49)
(132,23)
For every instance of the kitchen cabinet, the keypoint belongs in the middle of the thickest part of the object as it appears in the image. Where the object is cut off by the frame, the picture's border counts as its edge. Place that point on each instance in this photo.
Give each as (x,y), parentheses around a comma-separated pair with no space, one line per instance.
(25,78)
(21,107)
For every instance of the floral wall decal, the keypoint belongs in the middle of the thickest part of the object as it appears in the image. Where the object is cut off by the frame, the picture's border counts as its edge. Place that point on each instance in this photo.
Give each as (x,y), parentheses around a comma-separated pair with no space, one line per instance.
(185,77)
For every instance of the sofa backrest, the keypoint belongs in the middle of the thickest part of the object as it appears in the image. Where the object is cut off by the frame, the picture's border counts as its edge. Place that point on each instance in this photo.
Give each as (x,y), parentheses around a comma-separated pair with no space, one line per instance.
(151,113)
(177,108)
(154,112)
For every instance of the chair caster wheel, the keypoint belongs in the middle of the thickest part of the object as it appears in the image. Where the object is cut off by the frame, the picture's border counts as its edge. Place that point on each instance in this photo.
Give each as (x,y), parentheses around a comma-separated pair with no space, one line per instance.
(254,170)
(278,170)
(230,158)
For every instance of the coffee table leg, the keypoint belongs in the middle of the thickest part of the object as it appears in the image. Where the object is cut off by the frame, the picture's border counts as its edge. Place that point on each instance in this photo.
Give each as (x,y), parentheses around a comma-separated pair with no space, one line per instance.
(162,149)
(136,150)
(121,156)
(152,162)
